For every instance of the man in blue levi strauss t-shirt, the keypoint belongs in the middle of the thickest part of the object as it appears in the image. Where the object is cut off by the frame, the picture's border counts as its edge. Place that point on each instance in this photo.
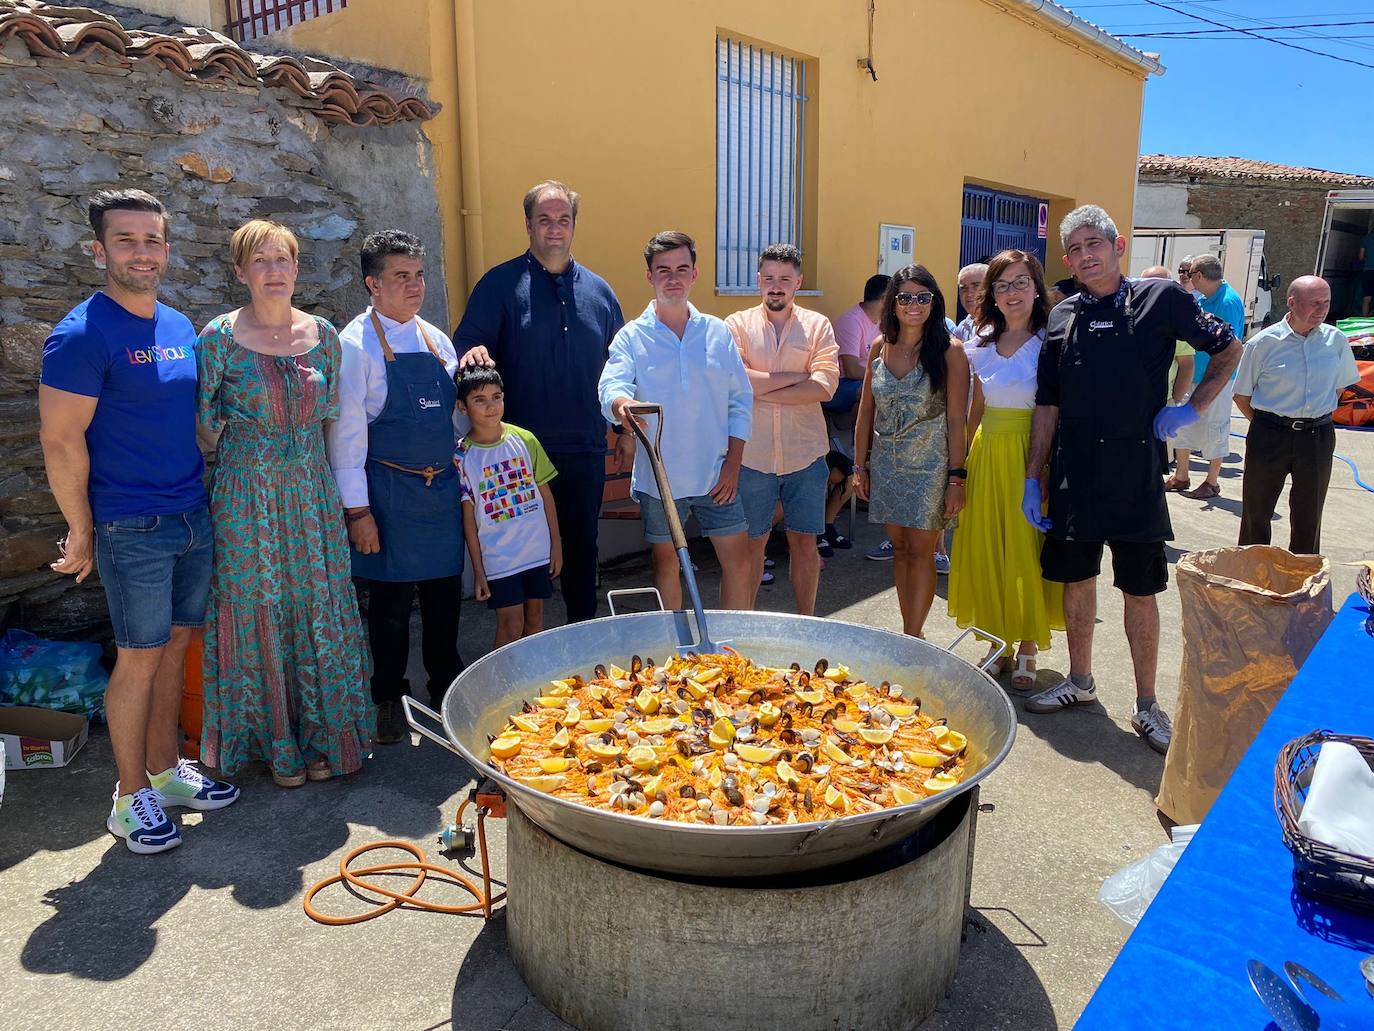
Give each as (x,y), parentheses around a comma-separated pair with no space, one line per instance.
(117,399)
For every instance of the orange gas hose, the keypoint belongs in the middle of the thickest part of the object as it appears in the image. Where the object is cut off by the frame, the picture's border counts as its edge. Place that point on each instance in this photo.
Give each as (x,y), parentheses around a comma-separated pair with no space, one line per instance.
(394,899)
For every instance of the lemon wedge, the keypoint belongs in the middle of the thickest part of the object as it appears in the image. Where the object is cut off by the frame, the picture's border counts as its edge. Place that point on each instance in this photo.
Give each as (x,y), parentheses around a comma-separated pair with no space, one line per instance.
(596,726)
(757,754)
(549,701)
(573,715)
(661,726)
(952,743)
(560,740)
(616,673)
(786,774)
(846,726)
(652,785)
(835,798)
(904,796)
(838,675)
(834,752)
(604,751)
(717,742)
(506,746)
(929,759)
(695,689)
(940,782)
(719,711)
(814,697)
(555,763)
(899,711)
(876,735)
(642,757)
(858,690)
(768,714)
(647,702)
(547,782)
(715,778)
(560,688)
(526,724)
(723,728)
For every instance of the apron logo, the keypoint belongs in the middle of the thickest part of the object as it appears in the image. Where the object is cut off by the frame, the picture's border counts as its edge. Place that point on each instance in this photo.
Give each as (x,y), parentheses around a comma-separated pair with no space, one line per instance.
(1099,325)
(426,404)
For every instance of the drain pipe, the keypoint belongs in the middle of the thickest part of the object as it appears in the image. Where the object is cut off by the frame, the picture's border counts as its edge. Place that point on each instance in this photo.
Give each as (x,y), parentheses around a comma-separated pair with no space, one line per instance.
(1085,30)
(470,169)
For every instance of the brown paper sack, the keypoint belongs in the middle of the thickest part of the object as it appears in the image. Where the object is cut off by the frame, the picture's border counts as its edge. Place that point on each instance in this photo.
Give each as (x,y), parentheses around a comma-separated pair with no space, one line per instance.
(1250,617)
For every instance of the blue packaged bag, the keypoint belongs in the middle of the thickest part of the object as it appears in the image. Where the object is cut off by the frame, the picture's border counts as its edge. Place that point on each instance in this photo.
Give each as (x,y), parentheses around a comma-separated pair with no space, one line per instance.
(62,675)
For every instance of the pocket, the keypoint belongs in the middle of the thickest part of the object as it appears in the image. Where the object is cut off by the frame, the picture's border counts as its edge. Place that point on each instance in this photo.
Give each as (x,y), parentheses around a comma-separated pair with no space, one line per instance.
(427,400)
(134,524)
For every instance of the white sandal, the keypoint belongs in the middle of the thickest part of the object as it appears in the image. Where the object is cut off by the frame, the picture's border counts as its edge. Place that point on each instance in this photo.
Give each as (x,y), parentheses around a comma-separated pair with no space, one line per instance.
(1024,677)
(994,670)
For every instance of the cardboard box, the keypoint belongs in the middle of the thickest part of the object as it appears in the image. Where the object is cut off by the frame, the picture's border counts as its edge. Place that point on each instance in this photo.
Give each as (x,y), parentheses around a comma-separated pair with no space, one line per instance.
(40,738)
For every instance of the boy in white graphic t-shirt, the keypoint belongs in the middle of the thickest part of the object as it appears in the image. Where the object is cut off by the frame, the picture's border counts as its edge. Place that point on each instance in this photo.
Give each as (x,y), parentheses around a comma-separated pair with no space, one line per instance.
(509,519)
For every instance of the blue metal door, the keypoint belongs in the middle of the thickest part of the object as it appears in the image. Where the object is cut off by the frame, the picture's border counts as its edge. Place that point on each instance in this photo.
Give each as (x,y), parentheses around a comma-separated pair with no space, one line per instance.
(995,221)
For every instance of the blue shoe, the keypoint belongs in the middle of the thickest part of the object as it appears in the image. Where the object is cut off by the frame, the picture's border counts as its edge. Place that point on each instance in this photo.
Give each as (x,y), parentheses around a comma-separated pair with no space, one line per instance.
(184,785)
(140,821)
(882,553)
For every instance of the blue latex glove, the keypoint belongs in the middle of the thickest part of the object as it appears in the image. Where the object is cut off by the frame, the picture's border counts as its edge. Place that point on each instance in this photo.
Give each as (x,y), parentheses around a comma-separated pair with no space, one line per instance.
(1173,418)
(1031,503)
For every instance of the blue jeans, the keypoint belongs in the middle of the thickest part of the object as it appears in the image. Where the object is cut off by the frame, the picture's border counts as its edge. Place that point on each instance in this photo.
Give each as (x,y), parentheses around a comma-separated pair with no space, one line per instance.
(714,520)
(156,572)
(802,494)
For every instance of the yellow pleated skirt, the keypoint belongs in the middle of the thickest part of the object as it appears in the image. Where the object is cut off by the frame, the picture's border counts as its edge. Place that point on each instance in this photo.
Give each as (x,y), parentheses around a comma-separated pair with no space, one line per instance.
(994,579)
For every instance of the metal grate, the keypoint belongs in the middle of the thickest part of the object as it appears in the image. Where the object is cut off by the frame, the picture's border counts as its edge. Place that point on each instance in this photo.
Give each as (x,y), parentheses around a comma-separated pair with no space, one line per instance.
(249,19)
(760,157)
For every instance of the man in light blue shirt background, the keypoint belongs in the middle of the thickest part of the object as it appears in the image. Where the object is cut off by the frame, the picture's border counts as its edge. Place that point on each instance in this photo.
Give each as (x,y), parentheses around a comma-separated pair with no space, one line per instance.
(677,357)
(1210,436)
(1290,377)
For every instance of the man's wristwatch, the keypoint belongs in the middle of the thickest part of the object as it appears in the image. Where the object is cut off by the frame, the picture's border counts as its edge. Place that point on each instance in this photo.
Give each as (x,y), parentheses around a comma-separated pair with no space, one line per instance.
(957,474)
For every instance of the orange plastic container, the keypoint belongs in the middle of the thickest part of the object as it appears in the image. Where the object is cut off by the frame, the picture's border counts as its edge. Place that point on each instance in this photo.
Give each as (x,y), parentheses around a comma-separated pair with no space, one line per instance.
(192,697)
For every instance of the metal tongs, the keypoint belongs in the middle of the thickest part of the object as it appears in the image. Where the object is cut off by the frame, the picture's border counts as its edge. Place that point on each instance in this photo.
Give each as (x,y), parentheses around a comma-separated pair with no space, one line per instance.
(703,644)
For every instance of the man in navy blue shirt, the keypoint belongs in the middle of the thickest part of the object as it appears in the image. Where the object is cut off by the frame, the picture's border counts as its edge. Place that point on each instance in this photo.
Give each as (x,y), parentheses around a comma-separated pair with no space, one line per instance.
(117,399)
(547,323)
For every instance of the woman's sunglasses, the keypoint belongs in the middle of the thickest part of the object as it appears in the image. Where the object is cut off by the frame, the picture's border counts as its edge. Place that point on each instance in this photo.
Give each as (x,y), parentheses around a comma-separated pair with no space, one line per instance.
(907,299)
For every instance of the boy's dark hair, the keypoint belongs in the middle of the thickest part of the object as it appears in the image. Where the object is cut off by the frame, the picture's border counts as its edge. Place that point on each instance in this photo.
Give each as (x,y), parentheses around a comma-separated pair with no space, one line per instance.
(122,200)
(669,240)
(470,379)
(875,287)
(379,246)
(781,252)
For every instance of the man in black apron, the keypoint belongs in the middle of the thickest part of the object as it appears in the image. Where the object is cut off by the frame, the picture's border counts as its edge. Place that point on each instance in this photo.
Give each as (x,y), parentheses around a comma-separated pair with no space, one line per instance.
(1099,434)
(391,450)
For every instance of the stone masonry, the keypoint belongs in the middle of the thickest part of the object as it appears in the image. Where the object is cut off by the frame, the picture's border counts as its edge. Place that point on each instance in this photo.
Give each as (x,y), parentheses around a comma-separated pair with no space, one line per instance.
(217,155)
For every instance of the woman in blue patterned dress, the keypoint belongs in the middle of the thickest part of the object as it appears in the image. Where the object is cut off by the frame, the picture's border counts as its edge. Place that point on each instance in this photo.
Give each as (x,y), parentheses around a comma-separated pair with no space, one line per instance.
(909,438)
(285,666)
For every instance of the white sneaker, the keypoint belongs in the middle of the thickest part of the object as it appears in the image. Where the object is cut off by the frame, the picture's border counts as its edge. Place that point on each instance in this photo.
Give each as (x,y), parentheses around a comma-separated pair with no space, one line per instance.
(1061,696)
(1153,725)
(140,821)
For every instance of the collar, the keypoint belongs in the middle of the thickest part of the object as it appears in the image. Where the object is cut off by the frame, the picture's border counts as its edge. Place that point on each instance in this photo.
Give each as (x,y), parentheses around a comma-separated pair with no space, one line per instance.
(389,323)
(1290,331)
(570,271)
(650,315)
(1117,299)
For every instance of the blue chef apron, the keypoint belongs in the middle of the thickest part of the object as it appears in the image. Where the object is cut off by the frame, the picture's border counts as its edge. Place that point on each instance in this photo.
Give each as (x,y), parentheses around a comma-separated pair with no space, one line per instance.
(412,483)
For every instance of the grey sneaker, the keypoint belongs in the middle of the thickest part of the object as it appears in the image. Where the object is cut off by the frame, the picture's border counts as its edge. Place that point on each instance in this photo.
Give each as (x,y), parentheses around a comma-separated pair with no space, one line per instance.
(1153,725)
(1061,696)
(882,553)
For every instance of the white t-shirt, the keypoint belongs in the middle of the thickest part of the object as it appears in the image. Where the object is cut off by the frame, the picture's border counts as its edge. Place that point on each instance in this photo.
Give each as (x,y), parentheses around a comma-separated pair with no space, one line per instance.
(1006,382)
(501,481)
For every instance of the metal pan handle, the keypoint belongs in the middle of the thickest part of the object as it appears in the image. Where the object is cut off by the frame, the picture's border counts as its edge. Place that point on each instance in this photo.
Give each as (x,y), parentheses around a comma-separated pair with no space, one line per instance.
(655,456)
(986,664)
(626,592)
(414,710)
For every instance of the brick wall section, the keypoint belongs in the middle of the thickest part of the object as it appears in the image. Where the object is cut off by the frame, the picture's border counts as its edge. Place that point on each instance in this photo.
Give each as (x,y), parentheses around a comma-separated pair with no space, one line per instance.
(216,157)
(1290,213)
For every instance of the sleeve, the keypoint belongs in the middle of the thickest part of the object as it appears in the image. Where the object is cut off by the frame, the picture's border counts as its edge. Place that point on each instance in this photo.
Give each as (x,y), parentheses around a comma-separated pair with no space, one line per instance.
(1047,370)
(1247,374)
(329,345)
(739,334)
(1188,322)
(1349,373)
(825,357)
(211,351)
(617,314)
(739,422)
(1182,349)
(465,491)
(345,438)
(849,334)
(618,377)
(1235,315)
(482,319)
(544,470)
(75,359)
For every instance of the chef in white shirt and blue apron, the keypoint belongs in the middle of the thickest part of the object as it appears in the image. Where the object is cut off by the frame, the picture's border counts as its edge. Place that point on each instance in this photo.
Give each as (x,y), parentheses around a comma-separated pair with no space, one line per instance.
(391,450)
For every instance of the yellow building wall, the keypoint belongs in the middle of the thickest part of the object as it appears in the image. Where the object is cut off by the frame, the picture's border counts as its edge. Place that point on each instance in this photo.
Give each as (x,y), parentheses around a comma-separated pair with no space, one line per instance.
(617,98)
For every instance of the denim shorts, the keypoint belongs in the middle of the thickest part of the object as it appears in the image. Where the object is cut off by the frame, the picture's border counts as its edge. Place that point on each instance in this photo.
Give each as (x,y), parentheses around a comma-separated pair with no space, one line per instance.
(713,520)
(156,572)
(802,494)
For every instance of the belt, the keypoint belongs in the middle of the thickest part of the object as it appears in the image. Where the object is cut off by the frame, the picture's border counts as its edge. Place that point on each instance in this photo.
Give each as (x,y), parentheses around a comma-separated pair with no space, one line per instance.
(1286,423)
(428,472)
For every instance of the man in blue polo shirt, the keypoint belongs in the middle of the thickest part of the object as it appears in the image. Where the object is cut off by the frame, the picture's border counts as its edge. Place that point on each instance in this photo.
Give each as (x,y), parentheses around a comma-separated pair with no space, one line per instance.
(546,323)
(117,400)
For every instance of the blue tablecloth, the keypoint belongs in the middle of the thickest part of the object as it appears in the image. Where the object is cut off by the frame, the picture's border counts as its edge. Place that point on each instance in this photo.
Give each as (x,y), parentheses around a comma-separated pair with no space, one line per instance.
(1231,898)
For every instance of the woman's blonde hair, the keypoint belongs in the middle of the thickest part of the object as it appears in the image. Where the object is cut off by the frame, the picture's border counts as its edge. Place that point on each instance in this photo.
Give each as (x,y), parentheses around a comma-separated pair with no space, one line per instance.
(253,236)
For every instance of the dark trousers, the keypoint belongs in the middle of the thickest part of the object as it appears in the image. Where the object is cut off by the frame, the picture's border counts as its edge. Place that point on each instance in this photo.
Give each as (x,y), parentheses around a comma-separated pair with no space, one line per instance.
(388,632)
(1274,452)
(577,491)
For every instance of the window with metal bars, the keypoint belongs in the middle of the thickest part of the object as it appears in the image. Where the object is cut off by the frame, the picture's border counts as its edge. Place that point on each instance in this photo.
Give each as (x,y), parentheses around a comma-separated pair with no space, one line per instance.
(250,19)
(761,163)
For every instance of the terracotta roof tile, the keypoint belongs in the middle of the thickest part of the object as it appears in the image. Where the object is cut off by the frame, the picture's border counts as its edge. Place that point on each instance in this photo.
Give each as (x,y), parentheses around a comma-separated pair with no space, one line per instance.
(1245,168)
(199,55)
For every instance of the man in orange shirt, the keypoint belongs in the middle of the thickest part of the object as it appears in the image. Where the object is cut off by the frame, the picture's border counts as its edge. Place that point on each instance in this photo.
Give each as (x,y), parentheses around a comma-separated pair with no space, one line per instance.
(792,360)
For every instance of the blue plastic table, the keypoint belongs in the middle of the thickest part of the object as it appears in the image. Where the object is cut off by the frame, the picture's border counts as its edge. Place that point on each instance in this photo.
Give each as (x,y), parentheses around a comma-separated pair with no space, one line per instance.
(1230,899)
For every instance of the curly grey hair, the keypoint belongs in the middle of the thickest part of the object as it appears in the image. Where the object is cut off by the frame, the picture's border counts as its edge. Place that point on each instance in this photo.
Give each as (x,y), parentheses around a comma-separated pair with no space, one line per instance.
(1089,216)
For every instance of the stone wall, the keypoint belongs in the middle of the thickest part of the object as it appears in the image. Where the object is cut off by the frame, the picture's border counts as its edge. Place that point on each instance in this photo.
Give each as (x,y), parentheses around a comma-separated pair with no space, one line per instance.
(216,156)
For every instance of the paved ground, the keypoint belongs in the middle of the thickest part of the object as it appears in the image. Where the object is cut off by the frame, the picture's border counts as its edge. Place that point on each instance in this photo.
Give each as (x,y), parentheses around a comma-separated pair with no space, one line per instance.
(213,933)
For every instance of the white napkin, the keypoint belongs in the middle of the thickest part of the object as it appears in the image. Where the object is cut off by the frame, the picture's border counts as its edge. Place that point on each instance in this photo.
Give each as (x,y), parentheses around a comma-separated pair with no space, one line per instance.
(1340,802)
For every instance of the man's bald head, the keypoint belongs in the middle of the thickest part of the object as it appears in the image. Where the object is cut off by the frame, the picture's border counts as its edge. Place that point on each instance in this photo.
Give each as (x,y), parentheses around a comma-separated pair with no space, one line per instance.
(1304,285)
(1309,301)
(1156,272)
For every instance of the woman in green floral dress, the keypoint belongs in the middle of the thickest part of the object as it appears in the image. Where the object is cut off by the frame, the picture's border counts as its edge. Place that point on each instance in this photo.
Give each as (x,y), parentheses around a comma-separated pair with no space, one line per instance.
(285,666)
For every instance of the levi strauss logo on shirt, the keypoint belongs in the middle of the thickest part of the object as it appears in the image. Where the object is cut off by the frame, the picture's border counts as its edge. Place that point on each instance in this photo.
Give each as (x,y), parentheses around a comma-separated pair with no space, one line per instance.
(150,355)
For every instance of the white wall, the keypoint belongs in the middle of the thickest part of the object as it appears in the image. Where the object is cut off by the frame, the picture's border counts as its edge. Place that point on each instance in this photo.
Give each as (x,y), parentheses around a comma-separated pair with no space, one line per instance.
(1164,206)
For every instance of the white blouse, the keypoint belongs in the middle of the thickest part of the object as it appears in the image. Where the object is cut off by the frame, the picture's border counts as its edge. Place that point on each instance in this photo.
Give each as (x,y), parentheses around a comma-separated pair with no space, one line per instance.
(1006,382)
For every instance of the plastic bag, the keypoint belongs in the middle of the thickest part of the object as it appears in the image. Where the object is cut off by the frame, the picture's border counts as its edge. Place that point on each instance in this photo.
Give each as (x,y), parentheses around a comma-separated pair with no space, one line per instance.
(1129,891)
(62,675)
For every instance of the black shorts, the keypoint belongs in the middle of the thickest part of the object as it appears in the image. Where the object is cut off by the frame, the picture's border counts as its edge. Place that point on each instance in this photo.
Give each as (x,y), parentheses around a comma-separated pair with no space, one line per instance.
(1367,282)
(1139,568)
(531,585)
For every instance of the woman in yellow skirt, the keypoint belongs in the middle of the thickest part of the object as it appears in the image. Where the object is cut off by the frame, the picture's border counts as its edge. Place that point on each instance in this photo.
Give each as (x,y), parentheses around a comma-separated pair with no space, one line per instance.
(995,582)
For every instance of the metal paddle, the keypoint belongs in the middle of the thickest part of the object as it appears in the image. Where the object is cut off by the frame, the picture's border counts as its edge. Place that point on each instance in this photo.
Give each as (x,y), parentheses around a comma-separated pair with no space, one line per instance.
(703,644)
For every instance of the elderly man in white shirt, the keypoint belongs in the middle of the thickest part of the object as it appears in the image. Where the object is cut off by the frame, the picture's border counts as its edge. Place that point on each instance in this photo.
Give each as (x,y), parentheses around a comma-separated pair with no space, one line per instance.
(677,357)
(391,450)
(1289,380)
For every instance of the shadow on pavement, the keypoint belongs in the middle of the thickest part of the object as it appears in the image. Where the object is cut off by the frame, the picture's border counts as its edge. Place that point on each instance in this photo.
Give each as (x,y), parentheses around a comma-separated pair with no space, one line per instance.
(489,994)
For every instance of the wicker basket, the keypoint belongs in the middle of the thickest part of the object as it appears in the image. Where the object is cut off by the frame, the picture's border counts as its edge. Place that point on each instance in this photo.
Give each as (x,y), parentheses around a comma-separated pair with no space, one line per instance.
(1320,871)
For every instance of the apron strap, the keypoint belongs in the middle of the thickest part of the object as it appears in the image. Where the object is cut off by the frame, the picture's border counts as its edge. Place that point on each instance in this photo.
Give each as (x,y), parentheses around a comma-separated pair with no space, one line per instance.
(428,342)
(387,352)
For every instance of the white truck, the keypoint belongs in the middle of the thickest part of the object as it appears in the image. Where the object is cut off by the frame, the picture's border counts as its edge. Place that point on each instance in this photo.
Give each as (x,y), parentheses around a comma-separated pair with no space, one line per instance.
(1242,261)
(1348,220)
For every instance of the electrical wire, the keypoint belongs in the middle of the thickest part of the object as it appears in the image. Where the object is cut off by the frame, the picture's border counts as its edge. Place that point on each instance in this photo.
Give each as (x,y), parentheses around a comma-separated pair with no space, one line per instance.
(1256,35)
(1204,33)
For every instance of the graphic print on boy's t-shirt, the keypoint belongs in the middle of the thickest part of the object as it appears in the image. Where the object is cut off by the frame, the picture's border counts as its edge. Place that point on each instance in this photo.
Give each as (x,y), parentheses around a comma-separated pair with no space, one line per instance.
(507,489)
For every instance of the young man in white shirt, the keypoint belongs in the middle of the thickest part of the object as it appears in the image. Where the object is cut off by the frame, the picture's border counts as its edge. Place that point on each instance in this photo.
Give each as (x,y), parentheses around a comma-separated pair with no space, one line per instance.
(677,357)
